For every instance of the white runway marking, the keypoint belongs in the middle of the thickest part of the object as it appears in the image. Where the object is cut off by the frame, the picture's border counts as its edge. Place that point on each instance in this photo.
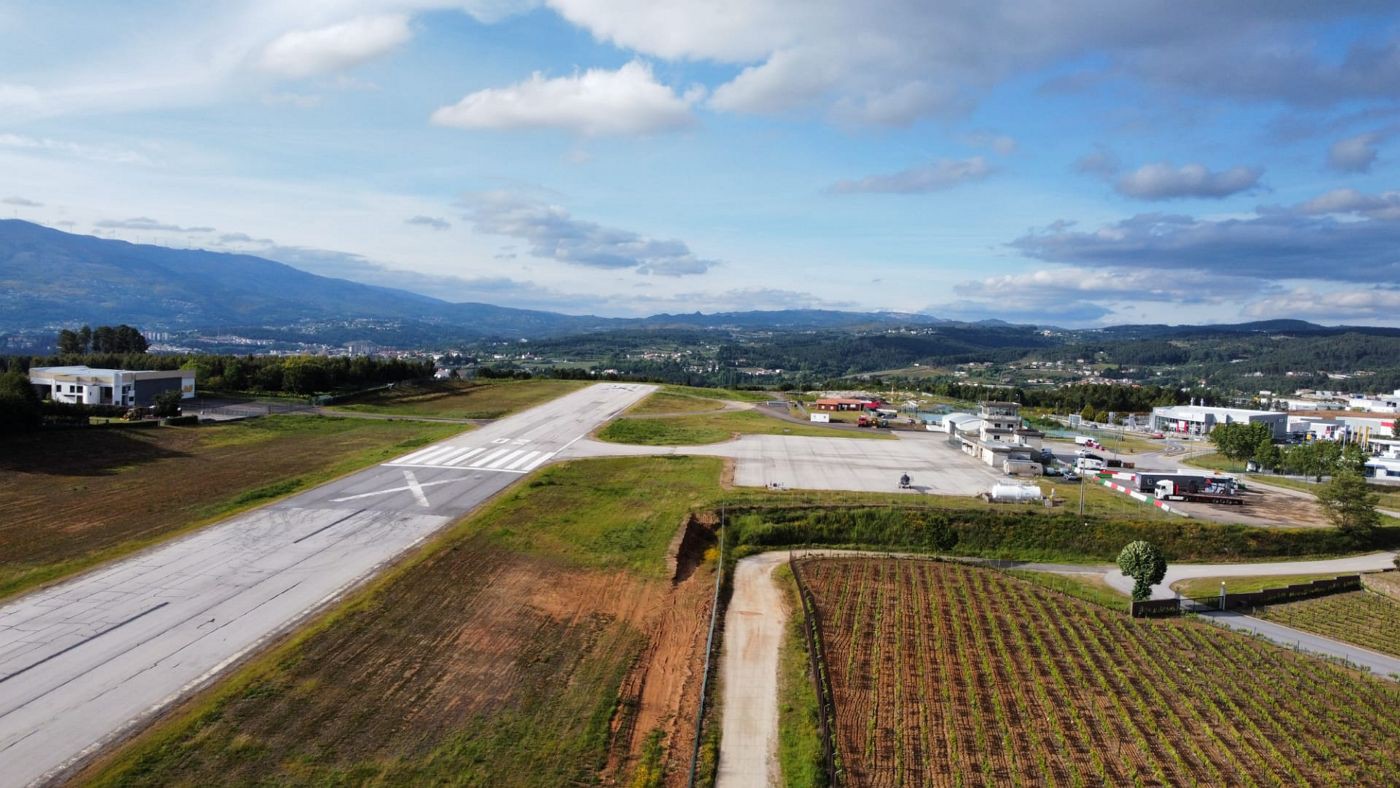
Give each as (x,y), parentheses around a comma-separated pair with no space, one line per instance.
(508,457)
(414,486)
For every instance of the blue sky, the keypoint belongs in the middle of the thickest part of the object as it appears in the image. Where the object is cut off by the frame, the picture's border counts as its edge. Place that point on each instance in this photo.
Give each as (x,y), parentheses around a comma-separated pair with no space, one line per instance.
(1080,162)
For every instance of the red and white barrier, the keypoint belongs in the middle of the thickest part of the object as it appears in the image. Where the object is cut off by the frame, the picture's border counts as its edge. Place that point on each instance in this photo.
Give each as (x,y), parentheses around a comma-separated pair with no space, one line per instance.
(1144,497)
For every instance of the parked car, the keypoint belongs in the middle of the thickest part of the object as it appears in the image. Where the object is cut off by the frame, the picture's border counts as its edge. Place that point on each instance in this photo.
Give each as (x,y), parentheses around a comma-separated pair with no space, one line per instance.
(1088,455)
(1053,470)
(1071,478)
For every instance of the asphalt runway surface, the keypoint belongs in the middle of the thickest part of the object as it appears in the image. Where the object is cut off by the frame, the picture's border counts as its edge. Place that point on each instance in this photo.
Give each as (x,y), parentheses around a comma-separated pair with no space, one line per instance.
(86,661)
(816,463)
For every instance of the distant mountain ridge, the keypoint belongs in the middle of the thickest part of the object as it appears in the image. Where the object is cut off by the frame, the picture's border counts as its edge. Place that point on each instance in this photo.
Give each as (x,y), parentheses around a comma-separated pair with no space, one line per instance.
(49,277)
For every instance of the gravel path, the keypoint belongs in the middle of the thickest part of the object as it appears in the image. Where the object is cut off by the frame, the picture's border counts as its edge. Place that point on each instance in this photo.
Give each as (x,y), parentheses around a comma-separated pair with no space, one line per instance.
(1379,664)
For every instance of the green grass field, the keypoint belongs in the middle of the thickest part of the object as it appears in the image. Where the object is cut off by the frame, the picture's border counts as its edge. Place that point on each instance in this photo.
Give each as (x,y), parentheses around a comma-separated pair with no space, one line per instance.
(714,428)
(76,498)
(460,399)
(666,402)
(493,656)
(1090,588)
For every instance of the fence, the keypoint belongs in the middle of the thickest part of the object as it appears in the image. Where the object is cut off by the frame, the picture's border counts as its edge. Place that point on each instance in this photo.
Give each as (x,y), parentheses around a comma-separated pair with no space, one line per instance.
(826,706)
(1250,599)
(709,657)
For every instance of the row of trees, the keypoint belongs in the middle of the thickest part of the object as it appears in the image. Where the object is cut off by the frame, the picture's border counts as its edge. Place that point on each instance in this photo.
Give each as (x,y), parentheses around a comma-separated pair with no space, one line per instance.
(1255,443)
(103,339)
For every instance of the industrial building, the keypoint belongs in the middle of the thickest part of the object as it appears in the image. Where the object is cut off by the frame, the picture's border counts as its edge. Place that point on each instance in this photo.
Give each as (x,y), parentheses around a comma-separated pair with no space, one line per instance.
(79,385)
(1201,419)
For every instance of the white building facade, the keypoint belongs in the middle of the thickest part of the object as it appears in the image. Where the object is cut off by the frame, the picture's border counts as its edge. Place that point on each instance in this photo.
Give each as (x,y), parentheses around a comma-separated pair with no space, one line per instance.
(79,385)
(1201,419)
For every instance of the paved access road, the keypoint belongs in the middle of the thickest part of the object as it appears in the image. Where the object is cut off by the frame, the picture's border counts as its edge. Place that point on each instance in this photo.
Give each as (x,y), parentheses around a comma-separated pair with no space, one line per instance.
(85,661)
(1176,572)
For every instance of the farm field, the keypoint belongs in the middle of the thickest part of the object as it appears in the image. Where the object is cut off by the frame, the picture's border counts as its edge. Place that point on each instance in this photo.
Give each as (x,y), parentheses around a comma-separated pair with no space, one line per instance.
(1364,618)
(73,498)
(459,399)
(1016,684)
(714,428)
(546,640)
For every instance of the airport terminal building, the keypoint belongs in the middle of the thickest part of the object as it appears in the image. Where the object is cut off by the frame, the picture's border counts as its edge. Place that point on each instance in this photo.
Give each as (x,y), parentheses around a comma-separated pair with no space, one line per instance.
(81,385)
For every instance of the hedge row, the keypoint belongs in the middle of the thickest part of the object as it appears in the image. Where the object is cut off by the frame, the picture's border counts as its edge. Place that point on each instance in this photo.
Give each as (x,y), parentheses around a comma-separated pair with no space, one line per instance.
(1027,535)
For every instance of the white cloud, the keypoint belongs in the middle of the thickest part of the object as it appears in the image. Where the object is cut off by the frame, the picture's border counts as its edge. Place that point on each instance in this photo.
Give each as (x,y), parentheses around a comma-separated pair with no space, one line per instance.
(934,176)
(21,202)
(893,62)
(302,53)
(1355,154)
(1385,205)
(147,223)
(48,145)
(431,222)
(1166,182)
(595,102)
(554,234)
(1381,303)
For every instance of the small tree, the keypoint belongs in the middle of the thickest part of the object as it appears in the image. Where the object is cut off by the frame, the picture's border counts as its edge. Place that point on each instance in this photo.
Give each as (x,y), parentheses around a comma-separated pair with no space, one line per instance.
(1350,505)
(1267,454)
(1145,564)
(167,404)
(1089,413)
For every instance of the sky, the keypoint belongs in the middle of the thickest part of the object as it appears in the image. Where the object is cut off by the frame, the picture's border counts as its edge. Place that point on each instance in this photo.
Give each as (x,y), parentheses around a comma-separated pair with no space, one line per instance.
(1067,162)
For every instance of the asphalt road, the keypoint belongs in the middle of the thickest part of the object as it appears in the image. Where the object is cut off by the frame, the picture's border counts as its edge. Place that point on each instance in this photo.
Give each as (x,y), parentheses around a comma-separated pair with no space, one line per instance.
(83,662)
(1177,572)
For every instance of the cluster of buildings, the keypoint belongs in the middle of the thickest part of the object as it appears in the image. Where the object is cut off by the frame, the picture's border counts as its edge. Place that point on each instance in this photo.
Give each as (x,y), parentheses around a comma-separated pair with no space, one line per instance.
(997,436)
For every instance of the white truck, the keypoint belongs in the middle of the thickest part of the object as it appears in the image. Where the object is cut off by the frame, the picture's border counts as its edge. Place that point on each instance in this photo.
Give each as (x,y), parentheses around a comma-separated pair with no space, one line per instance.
(1087,442)
(1197,492)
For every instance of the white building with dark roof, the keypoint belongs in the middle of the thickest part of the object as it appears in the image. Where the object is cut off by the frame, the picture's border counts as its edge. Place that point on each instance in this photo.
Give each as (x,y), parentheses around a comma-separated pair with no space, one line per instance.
(79,385)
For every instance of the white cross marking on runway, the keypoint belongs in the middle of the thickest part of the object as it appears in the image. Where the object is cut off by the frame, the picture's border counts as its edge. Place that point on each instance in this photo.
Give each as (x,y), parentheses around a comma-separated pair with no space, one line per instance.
(413,486)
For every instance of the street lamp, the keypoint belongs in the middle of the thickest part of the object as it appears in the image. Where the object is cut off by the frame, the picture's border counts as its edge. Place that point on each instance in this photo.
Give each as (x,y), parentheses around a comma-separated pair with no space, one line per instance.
(1222,595)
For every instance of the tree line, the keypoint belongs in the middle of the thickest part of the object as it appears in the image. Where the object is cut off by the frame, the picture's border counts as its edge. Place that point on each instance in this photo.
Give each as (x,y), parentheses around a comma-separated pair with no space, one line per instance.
(103,339)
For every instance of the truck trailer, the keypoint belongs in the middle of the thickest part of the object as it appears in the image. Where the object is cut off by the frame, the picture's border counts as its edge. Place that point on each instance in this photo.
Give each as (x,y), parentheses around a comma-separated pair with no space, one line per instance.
(1169,490)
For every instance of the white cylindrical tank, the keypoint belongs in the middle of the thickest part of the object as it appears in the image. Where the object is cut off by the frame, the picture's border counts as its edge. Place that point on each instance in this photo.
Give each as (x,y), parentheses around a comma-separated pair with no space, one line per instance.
(1014,493)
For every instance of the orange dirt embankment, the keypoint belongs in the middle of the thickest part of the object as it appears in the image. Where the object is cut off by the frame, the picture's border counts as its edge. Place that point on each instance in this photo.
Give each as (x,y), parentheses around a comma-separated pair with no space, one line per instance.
(662,690)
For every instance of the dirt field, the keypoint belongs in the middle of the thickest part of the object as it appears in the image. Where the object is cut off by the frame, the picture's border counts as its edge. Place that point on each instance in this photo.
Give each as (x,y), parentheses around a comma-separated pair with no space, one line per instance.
(74,497)
(496,657)
(460,399)
(947,675)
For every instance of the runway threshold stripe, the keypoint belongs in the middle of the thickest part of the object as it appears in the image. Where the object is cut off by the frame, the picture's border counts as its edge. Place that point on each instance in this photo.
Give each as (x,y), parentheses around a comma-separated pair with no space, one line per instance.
(538,461)
(414,457)
(450,457)
(519,461)
(501,461)
(489,456)
(84,641)
(466,456)
(436,454)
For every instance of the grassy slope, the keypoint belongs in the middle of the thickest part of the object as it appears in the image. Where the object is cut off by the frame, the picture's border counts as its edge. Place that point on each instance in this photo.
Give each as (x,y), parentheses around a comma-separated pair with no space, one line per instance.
(121,490)
(1367,619)
(1210,586)
(386,688)
(799,727)
(462,399)
(735,395)
(713,428)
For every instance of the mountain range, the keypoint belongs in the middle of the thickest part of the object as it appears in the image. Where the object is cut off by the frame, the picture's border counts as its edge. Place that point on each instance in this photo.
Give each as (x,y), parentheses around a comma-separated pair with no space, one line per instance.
(51,278)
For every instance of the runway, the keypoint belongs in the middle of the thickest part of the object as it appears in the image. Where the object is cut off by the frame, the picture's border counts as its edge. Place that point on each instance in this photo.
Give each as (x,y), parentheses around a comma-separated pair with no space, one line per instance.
(86,661)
